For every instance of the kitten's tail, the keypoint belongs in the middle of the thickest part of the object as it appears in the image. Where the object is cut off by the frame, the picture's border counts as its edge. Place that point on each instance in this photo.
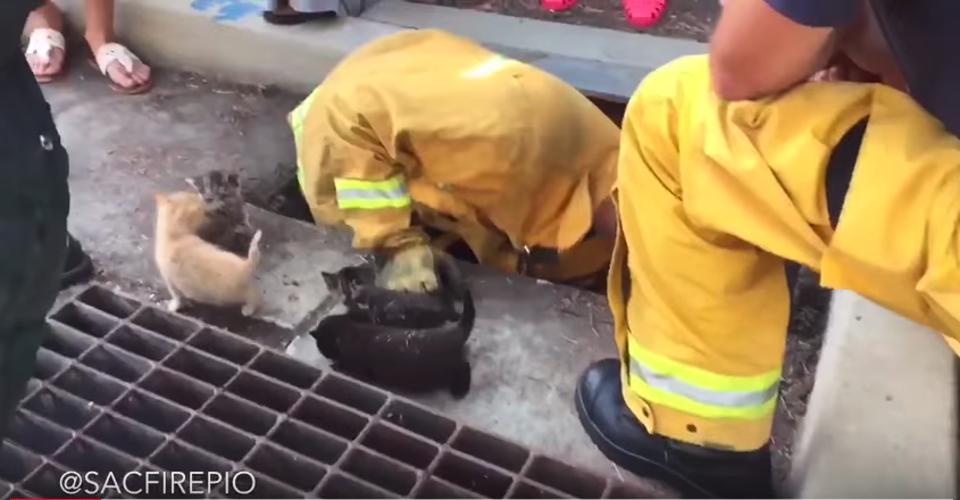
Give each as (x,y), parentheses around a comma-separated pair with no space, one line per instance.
(253,254)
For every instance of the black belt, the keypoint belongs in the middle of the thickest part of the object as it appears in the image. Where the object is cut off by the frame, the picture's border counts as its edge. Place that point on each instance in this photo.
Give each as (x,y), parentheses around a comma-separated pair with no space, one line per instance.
(843,159)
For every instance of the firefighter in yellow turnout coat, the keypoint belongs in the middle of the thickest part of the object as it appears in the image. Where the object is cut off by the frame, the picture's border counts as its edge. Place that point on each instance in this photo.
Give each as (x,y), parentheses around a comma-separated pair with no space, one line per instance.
(713,197)
(423,129)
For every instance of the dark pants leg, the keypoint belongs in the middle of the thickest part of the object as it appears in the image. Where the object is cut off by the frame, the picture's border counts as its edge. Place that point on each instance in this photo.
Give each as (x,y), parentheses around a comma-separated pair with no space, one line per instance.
(842,161)
(34,203)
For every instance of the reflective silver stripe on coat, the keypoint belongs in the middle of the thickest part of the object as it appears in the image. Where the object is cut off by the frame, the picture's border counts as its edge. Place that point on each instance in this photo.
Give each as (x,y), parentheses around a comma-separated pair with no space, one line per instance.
(399,193)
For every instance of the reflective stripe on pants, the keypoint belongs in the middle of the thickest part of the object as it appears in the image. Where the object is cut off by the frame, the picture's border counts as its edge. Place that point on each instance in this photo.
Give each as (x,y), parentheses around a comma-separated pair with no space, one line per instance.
(662,380)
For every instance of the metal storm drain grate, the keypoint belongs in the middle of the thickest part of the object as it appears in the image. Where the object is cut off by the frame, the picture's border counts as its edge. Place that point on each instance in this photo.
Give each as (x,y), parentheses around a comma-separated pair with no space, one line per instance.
(122,386)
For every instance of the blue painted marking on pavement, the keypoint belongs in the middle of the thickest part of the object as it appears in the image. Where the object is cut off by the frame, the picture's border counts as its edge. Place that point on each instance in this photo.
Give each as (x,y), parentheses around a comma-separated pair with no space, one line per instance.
(229,10)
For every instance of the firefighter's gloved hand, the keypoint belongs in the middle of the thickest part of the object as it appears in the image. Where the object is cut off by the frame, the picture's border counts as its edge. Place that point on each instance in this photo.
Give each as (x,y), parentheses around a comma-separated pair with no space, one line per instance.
(410,269)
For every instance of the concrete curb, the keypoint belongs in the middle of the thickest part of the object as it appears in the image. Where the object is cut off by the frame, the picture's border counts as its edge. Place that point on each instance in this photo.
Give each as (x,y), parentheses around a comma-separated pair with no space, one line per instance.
(579,42)
(600,62)
(875,362)
(245,49)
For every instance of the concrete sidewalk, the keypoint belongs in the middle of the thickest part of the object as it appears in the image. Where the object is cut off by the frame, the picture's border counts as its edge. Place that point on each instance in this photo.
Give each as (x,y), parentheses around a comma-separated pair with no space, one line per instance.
(529,341)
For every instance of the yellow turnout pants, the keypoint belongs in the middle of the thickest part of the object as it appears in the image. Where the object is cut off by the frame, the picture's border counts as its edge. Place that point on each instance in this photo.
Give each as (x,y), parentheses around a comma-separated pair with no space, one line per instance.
(714,197)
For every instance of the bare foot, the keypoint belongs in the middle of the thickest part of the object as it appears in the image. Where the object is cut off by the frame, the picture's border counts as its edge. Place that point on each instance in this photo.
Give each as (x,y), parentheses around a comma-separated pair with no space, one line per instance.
(45,59)
(139,75)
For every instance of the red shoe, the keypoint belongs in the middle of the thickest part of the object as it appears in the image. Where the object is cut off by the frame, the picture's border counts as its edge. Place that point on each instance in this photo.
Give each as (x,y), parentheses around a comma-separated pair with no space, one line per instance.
(558,5)
(643,13)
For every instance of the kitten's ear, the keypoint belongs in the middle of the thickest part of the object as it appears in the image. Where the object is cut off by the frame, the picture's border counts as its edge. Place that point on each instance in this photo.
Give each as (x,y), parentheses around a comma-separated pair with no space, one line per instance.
(161,199)
(331,280)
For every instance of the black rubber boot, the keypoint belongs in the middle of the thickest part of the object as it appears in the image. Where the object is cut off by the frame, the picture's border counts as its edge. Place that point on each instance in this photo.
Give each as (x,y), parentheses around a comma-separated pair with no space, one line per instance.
(77,267)
(695,471)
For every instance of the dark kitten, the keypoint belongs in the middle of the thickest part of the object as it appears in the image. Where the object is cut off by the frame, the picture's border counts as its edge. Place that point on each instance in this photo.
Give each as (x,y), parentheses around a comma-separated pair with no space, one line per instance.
(356,286)
(410,341)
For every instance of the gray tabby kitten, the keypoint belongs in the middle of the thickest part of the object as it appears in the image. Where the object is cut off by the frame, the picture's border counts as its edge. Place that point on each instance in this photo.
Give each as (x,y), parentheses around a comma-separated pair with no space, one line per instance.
(228,225)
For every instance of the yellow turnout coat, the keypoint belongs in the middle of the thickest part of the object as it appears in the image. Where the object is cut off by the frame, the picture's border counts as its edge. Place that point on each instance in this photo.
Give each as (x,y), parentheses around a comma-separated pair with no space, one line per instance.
(484,148)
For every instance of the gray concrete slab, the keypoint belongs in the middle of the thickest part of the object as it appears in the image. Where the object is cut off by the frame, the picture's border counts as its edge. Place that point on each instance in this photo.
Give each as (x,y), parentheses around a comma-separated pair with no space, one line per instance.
(600,62)
(881,421)
(594,78)
(531,338)
(613,47)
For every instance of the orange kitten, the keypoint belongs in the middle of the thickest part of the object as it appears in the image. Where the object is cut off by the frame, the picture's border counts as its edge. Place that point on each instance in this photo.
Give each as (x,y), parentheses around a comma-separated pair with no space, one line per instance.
(195,269)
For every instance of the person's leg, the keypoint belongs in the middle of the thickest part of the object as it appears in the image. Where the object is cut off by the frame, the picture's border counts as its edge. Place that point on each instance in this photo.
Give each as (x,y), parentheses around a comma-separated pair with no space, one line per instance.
(98,15)
(45,16)
(47,59)
(677,309)
(713,198)
(34,203)
(99,33)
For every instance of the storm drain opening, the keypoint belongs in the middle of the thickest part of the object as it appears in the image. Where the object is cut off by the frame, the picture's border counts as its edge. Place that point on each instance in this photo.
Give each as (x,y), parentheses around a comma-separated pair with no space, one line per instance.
(123,386)
(528,490)
(110,303)
(217,438)
(36,434)
(436,488)
(141,342)
(393,442)
(491,448)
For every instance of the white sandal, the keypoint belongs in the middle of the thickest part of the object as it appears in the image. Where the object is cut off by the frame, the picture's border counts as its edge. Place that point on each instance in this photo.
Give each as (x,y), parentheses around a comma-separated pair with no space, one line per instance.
(115,52)
(42,43)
